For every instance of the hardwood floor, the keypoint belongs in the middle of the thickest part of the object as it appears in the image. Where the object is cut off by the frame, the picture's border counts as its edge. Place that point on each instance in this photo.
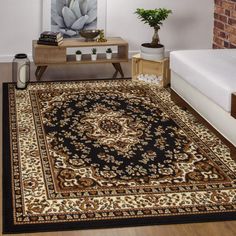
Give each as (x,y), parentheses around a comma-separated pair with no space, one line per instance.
(227,228)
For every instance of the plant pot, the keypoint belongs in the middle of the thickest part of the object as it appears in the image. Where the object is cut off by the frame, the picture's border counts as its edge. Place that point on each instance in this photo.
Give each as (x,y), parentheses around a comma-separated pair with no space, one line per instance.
(78,57)
(148,52)
(109,56)
(94,57)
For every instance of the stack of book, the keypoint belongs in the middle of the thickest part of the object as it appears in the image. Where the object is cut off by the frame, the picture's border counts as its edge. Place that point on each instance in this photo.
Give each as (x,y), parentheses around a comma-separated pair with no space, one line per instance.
(50,38)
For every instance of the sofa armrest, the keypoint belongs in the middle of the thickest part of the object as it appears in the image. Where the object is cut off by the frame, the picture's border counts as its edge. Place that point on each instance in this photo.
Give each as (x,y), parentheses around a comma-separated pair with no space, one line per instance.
(233,105)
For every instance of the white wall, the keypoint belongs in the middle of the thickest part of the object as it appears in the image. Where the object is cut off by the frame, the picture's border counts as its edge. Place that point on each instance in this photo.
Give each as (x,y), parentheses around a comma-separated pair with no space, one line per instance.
(20,22)
(190,25)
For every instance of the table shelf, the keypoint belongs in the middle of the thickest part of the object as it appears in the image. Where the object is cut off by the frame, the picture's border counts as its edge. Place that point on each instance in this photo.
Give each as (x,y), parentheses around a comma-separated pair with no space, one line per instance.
(101,58)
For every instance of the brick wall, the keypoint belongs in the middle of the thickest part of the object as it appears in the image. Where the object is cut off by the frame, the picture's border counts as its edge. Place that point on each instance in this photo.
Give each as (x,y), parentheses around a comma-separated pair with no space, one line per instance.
(225,24)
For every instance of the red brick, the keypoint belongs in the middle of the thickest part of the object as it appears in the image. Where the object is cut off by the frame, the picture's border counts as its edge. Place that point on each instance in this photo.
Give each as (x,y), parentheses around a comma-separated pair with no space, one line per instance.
(218,2)
(227,12)
(232,21)
(216,16)
(219,41)
(228,5)
(219,25)
(220,17)
(232,45)
(216,46)
(223,35)
(232,38)
(224,24)
(223,18)
(217,32)
(219,10)
(226,44)
(230,29)
(233,14)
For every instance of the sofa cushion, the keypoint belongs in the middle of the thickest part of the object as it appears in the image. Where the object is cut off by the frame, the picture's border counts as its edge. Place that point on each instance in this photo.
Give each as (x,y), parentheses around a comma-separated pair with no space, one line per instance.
(212,72)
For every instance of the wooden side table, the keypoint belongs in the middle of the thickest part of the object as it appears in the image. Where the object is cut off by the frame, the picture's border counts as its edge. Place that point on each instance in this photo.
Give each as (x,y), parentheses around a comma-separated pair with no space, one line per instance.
(158,68)
(44,55)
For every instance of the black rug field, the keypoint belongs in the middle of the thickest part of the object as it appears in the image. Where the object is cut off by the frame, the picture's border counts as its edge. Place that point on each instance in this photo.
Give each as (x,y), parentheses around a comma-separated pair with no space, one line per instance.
(81,155)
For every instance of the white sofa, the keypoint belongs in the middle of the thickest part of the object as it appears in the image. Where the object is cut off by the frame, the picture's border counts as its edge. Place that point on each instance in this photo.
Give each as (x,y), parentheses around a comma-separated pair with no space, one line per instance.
(206,80)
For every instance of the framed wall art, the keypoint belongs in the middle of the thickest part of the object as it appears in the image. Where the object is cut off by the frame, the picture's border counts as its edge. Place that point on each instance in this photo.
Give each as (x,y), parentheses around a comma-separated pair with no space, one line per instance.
(71,16)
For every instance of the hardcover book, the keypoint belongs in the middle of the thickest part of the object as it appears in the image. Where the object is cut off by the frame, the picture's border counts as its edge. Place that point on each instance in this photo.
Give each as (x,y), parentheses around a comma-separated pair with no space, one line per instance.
(55,40)
(50,34)
(49,43)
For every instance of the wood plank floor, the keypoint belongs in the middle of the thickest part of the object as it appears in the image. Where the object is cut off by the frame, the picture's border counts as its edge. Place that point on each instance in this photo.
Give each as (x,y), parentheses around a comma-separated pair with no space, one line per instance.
(227,228)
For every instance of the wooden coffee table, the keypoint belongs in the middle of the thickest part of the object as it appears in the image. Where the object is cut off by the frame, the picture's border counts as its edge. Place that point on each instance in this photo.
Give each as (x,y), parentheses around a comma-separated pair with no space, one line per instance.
(45,56)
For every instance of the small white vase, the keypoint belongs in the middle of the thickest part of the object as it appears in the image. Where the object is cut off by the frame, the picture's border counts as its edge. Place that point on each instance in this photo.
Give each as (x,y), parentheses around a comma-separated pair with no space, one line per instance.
(78,57)
(94,57)
(109,56)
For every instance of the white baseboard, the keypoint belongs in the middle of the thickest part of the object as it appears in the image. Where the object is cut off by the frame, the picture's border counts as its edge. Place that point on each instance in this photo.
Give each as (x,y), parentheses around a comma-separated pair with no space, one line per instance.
(9,58)
(6,58)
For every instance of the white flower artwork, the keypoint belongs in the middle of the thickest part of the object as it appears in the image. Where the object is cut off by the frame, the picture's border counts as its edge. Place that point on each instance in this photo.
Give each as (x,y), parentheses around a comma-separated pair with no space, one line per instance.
(71,16)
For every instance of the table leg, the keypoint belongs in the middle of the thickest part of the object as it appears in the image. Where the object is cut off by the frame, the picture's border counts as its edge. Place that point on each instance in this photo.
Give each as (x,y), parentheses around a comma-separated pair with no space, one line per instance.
(39,72)
(115,74)
(118,68)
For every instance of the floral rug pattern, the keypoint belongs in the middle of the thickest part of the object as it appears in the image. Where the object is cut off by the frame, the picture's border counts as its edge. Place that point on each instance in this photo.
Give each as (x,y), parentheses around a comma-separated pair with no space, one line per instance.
(110,150)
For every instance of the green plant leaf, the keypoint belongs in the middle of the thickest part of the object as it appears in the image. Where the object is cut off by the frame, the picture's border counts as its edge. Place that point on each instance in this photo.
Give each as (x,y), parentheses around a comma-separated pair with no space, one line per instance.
(154,17)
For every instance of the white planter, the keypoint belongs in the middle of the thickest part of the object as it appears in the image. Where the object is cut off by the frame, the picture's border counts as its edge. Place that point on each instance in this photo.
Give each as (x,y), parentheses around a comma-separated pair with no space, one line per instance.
(152,54)
(94,57)
(109,56)
(78,57)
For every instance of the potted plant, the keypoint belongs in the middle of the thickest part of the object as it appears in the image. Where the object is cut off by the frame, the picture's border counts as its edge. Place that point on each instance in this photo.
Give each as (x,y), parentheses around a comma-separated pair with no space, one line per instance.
(109,53)
(94,54)
(78,55)
(154,18)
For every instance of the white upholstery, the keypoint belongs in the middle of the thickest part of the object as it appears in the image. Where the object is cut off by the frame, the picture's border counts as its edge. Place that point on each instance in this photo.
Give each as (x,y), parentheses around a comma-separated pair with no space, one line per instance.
(212,72)
(210,111)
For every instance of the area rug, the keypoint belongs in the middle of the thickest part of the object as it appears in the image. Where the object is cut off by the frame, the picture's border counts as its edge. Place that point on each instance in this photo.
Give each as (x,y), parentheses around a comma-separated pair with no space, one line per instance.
(81,155)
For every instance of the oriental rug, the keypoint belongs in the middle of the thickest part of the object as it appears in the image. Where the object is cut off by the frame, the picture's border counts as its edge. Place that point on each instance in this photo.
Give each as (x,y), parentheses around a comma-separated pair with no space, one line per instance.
(81,155)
